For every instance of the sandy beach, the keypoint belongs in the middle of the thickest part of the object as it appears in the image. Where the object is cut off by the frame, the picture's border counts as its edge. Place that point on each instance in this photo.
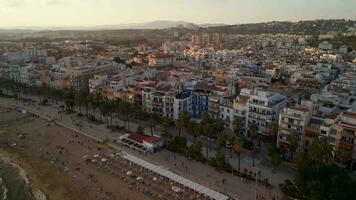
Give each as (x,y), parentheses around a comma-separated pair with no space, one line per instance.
(52,158)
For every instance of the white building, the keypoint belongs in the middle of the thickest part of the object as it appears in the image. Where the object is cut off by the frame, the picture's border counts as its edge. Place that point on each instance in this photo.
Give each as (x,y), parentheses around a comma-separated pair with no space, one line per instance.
(161,60)
(292,119)
(182,103)
(264,108)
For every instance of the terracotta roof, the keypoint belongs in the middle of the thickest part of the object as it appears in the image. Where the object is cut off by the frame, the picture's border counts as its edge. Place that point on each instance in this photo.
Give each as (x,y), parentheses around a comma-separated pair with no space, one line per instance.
(152,139)
(138,138)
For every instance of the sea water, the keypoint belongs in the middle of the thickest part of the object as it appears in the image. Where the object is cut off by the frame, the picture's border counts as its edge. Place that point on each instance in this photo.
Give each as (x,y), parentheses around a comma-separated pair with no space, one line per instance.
(13,186)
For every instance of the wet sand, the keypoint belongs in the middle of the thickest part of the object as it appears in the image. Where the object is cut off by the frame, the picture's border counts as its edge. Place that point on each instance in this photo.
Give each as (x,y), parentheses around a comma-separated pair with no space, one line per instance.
(52,158)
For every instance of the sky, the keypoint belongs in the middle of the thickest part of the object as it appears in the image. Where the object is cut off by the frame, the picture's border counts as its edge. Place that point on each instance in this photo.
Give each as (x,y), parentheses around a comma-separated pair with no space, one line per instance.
(108,12)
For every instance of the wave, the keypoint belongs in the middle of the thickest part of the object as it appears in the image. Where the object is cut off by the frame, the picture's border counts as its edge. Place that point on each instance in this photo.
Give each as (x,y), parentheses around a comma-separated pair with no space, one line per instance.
(3,190)
(14,184)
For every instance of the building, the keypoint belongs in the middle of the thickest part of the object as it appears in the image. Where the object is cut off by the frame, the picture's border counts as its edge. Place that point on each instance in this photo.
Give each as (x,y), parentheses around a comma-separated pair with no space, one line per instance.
(182,103)
(161,60)
(97,83)
(227,114)
(201,93)
(263,109)
(78,78)
(346,137)
(292,119)
(158,99)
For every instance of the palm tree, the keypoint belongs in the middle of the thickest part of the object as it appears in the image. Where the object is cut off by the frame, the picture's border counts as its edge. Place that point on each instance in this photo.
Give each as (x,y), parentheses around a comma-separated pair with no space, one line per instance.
(152,121)
(222,139)
(179,124)
(104,110)
(320,152)
(166,135)
(343,155)
(69,100)
(253,132)
(273,131)
(237,146)
(82,100)
(126,110)
(111,107)
(208,130)
(182,121)
(91,100)
(293,142)
(117,105)
(192,128)
(237,125)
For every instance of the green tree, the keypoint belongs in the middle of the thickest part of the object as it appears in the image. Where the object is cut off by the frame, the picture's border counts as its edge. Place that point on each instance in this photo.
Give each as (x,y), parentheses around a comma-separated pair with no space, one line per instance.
(318,178)
(180,122)
(237,125)
(153,121)
(140,130)
(273,132)
(192,128)
(238,148)
(253,133)
(69,100)
(320,152)
(343,156)
(222,139)
(167,136)
(293,142)
(195,151)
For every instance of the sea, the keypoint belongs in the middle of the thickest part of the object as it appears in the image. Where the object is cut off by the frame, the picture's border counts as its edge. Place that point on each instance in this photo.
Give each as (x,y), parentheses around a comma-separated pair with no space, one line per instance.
(13,183)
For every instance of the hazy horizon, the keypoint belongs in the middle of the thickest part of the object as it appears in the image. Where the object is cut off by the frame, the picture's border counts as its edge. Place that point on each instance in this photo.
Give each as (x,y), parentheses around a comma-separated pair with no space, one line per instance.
(67,13)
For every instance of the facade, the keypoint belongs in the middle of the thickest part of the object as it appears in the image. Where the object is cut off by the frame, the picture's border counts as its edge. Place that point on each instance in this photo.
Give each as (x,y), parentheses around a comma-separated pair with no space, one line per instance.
(161,60)
(214,106)
(227,112)
(201,93)
(346,137)
(97,83)
(263,109)
(158,99)
(78,78)
(292,119)
(182,103)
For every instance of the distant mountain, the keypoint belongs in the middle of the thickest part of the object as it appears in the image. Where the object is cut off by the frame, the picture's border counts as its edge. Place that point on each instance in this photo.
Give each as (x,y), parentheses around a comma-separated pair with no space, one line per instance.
(162,24)
(152,25)
(312,27)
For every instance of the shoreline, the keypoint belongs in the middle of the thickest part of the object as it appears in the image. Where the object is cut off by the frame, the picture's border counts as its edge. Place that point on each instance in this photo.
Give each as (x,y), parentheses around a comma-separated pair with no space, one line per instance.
(51,157)
(19,166)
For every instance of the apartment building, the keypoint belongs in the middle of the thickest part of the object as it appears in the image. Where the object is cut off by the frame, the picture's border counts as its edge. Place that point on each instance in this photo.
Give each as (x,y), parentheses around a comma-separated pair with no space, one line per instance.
(201,93)
(183,102)
(161,60)
(292,119)
(264,108)
(78,78)
(346,137)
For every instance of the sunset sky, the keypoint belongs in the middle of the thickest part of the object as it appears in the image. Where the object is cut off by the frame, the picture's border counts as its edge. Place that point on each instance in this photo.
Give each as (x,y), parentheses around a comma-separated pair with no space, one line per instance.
(106,12)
